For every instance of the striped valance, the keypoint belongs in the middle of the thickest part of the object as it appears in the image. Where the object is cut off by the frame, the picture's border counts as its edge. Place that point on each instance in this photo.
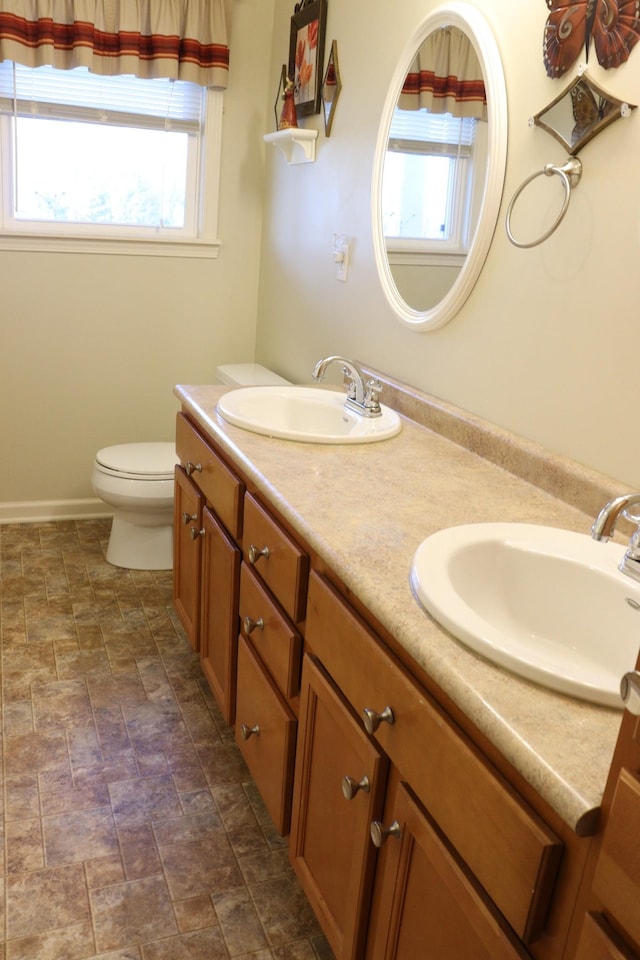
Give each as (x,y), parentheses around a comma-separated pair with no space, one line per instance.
(446,77)
(179,39)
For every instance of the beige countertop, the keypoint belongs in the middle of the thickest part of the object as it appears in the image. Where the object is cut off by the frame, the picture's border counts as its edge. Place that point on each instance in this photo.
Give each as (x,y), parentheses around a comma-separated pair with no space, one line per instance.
(366,508)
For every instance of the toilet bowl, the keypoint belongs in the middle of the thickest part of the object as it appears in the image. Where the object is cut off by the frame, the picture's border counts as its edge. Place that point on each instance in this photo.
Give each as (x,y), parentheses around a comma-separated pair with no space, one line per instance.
(137,481)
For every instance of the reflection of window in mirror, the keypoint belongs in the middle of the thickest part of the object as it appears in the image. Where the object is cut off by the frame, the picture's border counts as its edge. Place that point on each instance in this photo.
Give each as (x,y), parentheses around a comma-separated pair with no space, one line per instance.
(427,189)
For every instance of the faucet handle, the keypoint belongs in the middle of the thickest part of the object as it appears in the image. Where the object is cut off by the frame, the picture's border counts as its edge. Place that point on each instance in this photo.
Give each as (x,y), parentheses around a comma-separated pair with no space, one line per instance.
(372,390)
(633,550)
(350,381)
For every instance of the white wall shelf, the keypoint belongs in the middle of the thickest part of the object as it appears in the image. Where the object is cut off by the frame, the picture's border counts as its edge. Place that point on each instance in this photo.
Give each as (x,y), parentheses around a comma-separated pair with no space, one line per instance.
(297,145)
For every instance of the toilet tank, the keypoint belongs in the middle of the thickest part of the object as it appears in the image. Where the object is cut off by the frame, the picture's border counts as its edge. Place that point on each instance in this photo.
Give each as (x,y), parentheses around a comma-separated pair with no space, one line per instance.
(247,375)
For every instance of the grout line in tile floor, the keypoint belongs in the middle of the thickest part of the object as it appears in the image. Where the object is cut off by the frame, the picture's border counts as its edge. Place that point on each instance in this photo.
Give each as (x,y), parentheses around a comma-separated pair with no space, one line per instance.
(132,829)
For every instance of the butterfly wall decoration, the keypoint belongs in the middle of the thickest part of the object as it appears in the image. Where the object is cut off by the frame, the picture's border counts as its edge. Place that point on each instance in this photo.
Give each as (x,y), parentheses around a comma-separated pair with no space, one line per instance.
(614,26)
(589,108)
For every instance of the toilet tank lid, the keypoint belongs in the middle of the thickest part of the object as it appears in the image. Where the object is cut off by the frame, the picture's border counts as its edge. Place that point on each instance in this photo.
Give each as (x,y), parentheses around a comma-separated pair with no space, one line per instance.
(247,375)
(144,459)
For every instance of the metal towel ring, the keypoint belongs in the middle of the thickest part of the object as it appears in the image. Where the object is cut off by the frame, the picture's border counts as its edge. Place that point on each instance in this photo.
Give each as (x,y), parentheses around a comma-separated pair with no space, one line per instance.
(570,173)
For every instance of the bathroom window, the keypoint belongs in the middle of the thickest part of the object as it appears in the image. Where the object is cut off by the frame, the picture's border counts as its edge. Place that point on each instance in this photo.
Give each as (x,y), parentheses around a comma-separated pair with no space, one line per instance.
(111,160)
(429,174)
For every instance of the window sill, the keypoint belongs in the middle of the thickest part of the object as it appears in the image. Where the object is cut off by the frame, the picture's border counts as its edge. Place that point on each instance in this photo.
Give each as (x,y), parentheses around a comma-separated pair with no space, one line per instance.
(51,243)
(408,258)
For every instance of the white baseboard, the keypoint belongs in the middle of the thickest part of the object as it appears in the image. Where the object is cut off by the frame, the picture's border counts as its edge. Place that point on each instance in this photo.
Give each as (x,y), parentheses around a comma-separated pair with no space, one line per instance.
(41,511)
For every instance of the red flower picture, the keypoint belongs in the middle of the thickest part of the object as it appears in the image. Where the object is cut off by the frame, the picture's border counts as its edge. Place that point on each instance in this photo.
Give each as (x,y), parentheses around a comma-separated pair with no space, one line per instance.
(306,52)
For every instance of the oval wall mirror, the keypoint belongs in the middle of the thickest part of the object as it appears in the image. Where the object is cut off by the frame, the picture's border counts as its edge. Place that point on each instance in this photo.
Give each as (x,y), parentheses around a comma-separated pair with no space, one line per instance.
(439,166)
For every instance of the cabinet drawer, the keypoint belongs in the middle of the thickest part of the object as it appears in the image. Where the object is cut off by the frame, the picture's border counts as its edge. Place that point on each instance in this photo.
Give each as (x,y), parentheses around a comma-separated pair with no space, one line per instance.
(221,487)
(266,734)
(509,849)
(277,558)
(617,877)
(276,641)
(599,942)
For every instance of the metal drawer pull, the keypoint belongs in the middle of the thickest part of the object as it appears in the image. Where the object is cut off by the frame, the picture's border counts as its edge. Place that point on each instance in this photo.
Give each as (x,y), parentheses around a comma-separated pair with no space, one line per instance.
(630,692)
(379,833)
(190,468)
(251,625)
(350,787)
(195,533)
(188,517)
(255,553)
(372,720)
(246,732)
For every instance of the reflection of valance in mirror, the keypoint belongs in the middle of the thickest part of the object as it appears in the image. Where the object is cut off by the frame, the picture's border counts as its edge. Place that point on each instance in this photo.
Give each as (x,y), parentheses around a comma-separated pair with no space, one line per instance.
(446,77)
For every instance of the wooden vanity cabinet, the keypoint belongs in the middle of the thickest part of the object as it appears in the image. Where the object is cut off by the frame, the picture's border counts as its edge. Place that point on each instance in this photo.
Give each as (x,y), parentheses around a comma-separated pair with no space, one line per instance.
(207,524)
(346,746)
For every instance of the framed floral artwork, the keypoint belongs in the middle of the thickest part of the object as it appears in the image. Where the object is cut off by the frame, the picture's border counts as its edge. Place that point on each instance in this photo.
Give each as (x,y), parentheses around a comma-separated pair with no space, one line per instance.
(306,54)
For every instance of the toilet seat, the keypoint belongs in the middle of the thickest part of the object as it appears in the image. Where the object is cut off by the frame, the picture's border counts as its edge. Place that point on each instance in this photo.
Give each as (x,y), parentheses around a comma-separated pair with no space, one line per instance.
(138,461)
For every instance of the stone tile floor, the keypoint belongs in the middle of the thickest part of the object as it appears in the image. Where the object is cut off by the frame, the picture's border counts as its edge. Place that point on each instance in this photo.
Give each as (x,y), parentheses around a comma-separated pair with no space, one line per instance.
(132,829)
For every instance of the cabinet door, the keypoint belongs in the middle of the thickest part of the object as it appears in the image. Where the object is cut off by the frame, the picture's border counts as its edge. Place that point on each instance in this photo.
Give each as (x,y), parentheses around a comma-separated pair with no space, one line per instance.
(220,576)
(330,847)
(266,735)
(426,903)
(187,526)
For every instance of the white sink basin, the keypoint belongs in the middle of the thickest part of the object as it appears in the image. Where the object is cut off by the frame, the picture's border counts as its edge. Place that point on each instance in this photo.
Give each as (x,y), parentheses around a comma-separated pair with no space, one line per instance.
(547,604)
(306,414)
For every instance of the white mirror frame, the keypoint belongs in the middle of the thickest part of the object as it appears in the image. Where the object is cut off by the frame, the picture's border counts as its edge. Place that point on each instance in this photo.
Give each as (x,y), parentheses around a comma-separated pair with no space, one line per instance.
(472,22)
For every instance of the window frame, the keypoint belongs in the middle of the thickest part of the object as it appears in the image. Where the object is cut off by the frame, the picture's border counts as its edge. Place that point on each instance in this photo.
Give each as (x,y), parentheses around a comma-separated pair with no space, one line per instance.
(42,237)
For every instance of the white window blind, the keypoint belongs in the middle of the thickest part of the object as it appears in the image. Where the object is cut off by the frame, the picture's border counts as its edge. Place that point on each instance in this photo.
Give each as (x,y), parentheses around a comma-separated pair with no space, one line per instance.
(83,96)
(419,131)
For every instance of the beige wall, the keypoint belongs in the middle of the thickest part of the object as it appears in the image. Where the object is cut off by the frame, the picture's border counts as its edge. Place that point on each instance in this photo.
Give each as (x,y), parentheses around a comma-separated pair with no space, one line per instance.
(547,344)
(91,346)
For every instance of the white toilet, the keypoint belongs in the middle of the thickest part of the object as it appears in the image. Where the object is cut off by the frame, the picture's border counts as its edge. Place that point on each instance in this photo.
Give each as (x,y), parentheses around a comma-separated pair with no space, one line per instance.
(247,375)
(137,481)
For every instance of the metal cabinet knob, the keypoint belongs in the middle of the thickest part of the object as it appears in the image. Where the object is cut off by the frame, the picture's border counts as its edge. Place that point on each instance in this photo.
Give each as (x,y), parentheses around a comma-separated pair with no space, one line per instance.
(190,468)
(246,732)
(630,692)
(379,833)
(195,533)
(350,787)
(372,720)
(255,553)
(250,625)
(189,517)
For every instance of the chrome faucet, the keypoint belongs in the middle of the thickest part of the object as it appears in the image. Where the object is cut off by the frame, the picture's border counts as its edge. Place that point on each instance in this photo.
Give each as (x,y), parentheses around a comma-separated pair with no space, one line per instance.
(604,526)
(362,394)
